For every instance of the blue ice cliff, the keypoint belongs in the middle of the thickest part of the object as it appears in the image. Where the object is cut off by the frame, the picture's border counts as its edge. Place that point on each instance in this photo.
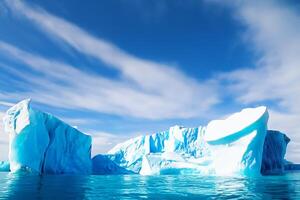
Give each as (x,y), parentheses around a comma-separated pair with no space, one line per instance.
(274,151)
(39,142)
(239,144)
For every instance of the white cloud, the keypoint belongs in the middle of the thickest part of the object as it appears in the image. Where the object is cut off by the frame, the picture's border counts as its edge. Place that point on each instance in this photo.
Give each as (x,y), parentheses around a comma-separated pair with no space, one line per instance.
(5,103)
(57,84)
(273,31)
(156,91)
(3,140)
(102,141)
(144,89)
(78,122)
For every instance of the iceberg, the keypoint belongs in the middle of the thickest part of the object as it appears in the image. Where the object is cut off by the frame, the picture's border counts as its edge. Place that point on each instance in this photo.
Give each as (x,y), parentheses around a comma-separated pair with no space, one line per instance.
(199,150)
(239,144)
(274,151)
(41,143)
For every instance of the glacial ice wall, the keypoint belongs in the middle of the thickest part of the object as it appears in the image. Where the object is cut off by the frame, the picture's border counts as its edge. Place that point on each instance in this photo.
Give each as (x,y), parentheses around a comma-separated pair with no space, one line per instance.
(274,151)
(40,142)
(224,147)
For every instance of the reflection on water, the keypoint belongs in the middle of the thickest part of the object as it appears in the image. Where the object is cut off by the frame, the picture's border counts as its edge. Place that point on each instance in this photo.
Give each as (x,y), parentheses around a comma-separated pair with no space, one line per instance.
(21,186)
(24,186)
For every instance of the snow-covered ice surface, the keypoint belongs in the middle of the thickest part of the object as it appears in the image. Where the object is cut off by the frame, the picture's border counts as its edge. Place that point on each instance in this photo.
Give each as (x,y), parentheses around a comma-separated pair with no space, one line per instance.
(236,143)
(40,142)
(224,147)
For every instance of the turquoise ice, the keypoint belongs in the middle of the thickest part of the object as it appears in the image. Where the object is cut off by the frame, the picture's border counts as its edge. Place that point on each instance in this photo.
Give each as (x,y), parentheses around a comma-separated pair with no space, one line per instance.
(41,143)
(238,144)
(223,147)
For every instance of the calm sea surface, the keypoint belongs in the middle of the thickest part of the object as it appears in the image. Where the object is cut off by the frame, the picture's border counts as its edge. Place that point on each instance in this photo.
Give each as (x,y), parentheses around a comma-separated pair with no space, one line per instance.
(148,187)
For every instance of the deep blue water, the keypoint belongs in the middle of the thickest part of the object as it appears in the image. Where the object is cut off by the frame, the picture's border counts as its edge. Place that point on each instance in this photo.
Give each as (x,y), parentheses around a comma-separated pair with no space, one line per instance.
(55,187)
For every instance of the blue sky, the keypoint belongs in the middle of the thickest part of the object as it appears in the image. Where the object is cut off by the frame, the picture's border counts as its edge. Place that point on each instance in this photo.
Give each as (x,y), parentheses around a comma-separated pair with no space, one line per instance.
(117,69)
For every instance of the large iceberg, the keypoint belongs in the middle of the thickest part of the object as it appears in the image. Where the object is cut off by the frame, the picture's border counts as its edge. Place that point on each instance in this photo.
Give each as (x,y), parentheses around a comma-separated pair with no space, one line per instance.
(224,147)
(40,142)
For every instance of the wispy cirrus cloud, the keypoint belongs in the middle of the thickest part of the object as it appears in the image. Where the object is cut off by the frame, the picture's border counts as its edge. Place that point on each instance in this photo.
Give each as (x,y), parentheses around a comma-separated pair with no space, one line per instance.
(5,103)
(153,90)
(273,32)
(104,141)
(144,89)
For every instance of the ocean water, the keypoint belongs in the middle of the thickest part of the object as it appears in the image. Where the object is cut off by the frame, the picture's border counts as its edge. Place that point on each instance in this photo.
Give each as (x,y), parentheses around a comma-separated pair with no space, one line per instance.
(56,187)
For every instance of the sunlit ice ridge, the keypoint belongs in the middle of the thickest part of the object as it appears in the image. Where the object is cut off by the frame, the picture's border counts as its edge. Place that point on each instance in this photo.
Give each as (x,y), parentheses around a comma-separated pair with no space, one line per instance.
(241,144)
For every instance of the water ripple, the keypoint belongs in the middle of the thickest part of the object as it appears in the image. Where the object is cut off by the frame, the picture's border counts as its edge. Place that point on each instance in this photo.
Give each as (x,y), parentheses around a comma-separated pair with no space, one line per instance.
(13,186)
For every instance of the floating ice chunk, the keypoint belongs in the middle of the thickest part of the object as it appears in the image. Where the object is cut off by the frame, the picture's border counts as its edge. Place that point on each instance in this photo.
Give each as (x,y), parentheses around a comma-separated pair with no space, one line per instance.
(28,137)
(40,142)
